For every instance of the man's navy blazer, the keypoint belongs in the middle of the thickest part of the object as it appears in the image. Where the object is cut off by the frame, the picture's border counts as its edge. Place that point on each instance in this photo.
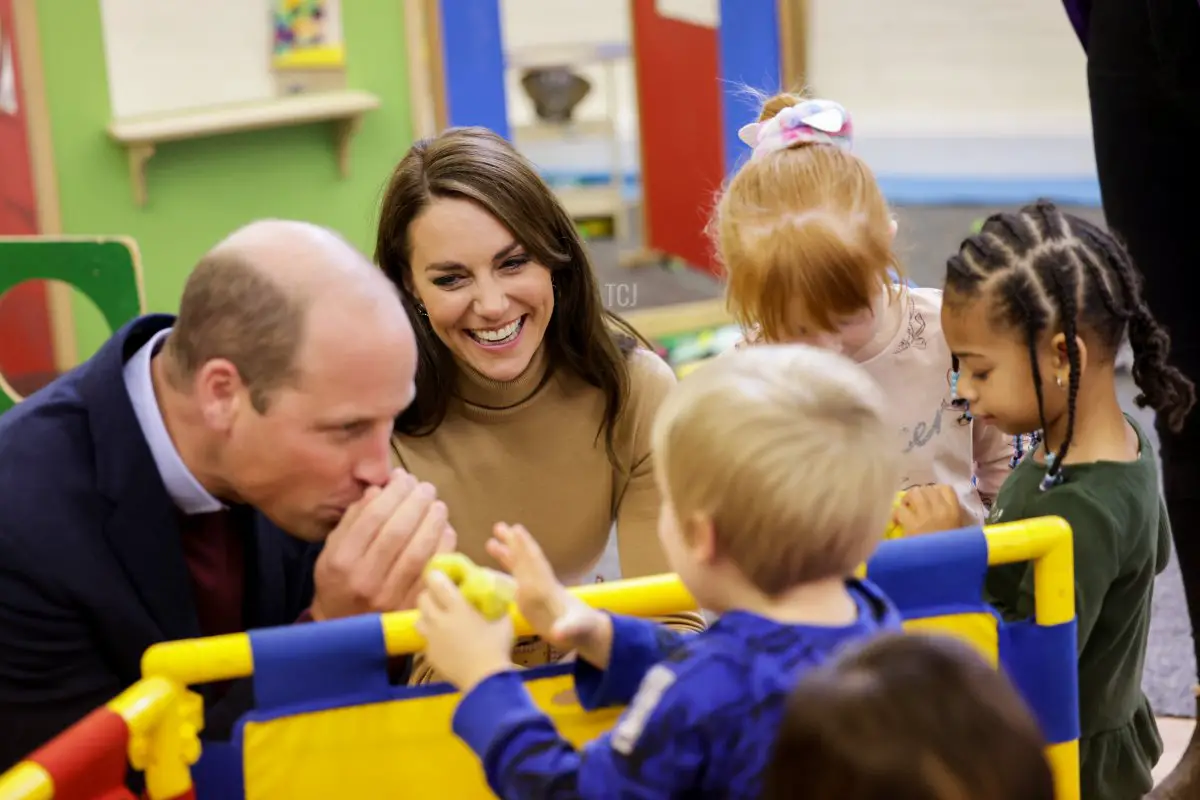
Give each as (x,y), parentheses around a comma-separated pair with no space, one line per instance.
(92,568)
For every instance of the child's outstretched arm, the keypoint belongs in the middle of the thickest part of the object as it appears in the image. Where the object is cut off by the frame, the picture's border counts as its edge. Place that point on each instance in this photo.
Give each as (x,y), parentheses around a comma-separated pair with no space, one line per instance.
(613,652)
(657,748)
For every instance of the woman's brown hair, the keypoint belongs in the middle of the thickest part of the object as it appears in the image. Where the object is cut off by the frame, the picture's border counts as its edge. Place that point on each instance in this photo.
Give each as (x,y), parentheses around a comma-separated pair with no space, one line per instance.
(908,717)
(477,165)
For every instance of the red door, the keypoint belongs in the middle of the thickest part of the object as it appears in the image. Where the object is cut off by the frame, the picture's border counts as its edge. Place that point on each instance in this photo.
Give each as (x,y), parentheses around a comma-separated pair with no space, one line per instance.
(26,343)
(679,110)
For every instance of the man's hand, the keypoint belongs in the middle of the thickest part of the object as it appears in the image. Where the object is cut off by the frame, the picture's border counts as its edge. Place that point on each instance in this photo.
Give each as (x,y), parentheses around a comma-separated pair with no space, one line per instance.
(372,562)
(556,615)
(928,509)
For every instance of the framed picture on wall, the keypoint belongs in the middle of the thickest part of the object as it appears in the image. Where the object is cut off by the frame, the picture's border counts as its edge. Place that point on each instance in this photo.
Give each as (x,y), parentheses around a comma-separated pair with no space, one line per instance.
(307,52)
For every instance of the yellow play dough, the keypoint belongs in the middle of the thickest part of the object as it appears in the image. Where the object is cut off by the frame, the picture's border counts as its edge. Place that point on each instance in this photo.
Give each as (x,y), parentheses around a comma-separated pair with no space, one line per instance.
(483,588)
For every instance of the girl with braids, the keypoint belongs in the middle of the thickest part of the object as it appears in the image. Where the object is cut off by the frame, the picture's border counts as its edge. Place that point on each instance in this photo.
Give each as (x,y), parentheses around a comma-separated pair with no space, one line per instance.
(1036,305)
(805,237)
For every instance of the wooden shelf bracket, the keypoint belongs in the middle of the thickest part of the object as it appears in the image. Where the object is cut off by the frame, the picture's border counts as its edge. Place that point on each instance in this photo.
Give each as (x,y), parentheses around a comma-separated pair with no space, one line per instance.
(141,136)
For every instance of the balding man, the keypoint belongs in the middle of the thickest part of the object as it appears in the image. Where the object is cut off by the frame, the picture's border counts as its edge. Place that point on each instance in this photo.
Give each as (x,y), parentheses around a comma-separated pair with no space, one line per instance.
(148,495)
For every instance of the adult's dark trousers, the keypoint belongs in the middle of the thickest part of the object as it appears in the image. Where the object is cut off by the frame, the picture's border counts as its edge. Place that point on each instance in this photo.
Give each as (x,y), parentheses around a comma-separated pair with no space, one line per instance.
(1144,82)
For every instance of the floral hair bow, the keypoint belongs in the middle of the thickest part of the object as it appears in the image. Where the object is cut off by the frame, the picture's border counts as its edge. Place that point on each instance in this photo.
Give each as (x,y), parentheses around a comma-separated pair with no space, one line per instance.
(818,121)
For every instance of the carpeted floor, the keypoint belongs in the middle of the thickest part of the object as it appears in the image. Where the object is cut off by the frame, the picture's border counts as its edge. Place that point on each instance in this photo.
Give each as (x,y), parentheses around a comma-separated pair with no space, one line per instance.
(927,235)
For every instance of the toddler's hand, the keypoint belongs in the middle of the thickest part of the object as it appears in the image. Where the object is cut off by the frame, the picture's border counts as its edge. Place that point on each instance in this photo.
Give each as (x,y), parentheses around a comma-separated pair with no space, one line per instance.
(556,615)
(928,509)
(460,642)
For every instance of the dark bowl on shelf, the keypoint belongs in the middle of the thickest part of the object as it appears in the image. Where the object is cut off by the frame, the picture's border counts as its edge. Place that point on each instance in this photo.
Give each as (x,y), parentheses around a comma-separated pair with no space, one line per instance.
(555,92)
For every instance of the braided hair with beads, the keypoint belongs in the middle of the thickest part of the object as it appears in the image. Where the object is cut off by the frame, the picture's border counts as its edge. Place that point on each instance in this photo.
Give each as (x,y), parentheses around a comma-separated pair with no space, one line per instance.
(1046,270)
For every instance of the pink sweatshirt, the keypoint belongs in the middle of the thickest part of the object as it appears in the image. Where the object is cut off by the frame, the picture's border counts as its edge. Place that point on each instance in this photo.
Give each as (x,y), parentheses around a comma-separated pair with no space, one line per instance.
(911,361)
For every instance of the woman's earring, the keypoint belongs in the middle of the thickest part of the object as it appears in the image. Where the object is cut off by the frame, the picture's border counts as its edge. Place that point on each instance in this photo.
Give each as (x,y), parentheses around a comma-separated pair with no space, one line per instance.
(1058,381)
(421,310)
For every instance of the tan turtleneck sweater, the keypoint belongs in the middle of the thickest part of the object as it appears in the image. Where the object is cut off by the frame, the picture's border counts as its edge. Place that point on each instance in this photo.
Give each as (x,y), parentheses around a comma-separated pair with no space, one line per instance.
(527,451)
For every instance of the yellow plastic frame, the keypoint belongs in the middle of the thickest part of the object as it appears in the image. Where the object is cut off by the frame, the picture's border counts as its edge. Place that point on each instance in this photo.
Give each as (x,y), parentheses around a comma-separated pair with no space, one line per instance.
(164,717)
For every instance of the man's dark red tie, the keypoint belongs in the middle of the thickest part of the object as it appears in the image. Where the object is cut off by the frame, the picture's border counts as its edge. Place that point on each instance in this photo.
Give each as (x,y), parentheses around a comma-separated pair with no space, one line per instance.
(216,560)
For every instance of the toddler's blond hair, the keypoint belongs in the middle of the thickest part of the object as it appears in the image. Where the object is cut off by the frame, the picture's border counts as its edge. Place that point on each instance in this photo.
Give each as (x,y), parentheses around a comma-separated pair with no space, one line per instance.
(785,449)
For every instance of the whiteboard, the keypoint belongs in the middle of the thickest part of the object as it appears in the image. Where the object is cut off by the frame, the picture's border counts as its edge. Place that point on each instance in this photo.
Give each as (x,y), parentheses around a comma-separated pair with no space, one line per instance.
(174,55)
(537,23)
(706,13)
(945,65)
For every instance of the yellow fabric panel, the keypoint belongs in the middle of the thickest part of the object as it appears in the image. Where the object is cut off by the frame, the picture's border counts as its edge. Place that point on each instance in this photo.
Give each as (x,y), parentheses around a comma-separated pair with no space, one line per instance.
(401,748)
(979,629)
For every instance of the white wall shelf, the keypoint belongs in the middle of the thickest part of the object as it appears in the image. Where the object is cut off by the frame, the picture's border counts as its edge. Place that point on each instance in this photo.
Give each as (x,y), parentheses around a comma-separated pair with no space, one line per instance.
(140,136)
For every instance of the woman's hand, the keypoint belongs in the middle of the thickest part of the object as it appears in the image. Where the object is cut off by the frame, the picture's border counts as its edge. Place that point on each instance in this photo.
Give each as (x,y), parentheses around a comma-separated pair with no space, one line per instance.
(460,643)
(928,509)
(556,615)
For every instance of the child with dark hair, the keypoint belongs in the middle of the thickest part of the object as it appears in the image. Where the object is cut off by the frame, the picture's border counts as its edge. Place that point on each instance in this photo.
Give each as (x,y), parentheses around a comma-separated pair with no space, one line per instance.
(1036,305)
(908,717)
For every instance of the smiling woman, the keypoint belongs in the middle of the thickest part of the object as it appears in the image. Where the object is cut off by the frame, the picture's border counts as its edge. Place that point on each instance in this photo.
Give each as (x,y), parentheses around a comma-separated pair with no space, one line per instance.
(534,404)
(489,307)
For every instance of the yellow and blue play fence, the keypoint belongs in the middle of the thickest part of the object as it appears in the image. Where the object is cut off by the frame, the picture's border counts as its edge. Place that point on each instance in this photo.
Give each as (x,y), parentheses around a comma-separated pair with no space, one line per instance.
(328,723)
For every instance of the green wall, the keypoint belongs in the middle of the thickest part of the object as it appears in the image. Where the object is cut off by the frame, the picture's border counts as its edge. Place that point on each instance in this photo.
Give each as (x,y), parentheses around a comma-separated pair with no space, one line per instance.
(198,191)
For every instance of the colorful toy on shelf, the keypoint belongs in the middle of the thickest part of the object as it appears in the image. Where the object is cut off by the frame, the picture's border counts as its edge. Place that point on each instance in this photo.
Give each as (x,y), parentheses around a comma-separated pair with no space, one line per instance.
(595,227)
(686,351)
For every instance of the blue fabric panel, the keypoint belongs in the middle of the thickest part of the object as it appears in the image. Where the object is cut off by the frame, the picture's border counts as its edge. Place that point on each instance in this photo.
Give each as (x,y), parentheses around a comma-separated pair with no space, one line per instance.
(1042,662)
(747,58)
(941,570)
(434,689)
(316,703)
(296,663)
(473,64)
(218,773)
